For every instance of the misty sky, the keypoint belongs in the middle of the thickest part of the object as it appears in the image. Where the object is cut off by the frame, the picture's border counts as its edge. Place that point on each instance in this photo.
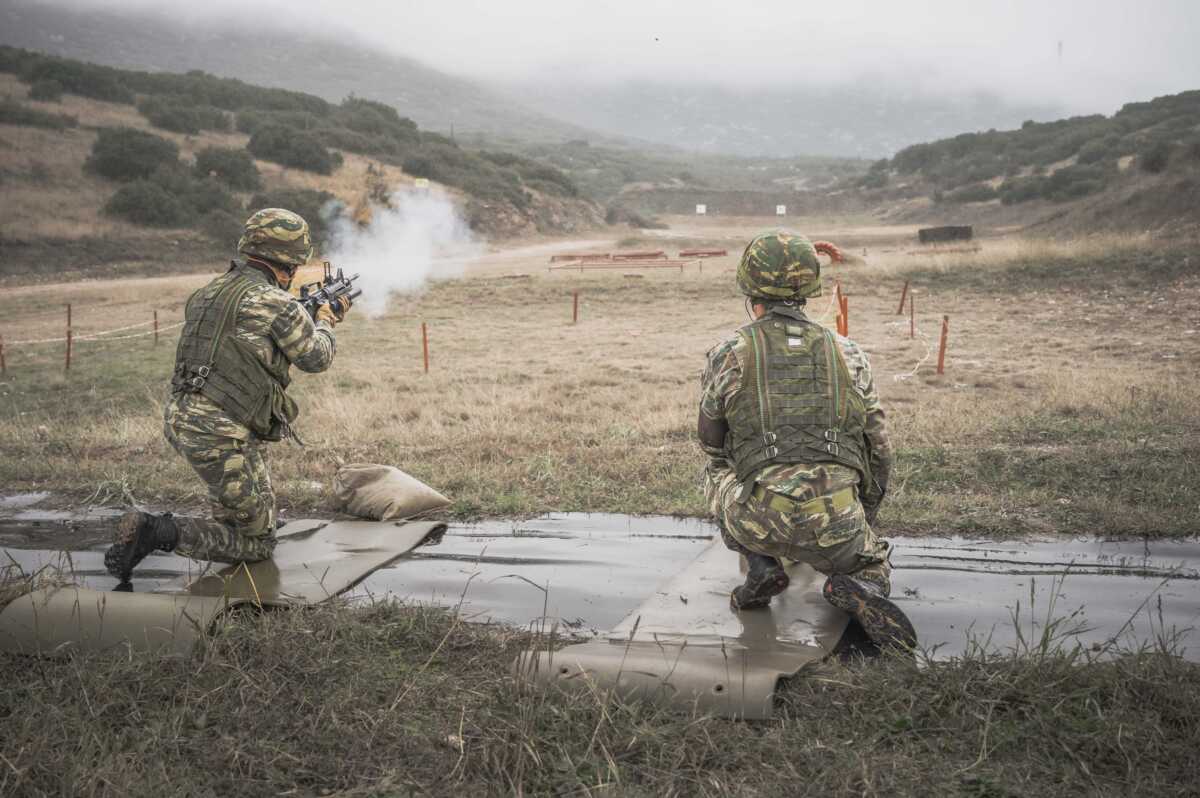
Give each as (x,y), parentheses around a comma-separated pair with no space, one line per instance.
(1113,51)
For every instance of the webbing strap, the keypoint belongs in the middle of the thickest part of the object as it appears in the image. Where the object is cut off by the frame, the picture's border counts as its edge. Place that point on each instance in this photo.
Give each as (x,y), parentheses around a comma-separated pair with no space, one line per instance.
(831,504)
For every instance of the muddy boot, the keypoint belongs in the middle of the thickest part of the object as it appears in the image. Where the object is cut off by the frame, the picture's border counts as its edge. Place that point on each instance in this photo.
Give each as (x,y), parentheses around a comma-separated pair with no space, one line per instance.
(137,535)
(884,622)
(764,578)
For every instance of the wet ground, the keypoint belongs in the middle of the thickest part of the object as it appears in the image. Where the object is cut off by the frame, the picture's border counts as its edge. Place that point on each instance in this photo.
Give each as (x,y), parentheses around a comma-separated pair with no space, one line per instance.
(589,572)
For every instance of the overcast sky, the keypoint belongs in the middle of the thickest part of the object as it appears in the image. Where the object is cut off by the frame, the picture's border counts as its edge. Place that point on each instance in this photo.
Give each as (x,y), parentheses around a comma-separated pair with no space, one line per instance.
(1112,50)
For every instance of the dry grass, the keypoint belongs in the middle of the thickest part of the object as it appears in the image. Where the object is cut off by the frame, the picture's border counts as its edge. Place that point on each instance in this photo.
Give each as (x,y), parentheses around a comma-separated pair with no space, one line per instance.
(1041,423)
(391,700)
(47,195)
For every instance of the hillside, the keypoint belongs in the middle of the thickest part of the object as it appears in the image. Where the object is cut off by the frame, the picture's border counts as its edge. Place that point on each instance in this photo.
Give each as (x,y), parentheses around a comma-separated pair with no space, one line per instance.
(122,169)
(856,120)
(126,39)
(1139,168)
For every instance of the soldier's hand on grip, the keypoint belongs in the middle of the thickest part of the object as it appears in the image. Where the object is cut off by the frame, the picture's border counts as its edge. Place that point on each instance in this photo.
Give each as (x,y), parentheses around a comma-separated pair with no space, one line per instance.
(325,313)
(341,306)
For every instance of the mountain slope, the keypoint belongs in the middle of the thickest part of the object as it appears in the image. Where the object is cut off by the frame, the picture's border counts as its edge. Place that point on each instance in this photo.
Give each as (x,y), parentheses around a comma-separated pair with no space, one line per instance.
(854,120)
(332,70)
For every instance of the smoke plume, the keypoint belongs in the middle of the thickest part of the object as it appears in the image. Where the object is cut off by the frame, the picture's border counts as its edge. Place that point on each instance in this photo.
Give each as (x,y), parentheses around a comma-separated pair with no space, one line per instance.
(420,237)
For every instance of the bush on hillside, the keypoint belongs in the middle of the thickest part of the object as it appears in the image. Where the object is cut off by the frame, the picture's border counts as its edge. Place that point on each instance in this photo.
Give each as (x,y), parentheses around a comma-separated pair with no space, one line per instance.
(147,203)
(980,192)
(178,115)
(234,168)
(76,77)
(1154,158)
(319,208)
(1021,189)
(14,113)
(252,120)
(375,119)
(49,90)
(199,194)
(223,227)
(292,148)
(123,153)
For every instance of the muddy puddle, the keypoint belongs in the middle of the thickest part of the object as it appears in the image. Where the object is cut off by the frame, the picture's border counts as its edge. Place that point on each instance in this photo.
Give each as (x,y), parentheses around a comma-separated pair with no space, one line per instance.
(589,571)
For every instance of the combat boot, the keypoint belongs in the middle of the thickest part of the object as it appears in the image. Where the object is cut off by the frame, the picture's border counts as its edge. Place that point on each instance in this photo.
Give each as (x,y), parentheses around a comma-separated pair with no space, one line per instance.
(765,578)
(138,534)
(884,622)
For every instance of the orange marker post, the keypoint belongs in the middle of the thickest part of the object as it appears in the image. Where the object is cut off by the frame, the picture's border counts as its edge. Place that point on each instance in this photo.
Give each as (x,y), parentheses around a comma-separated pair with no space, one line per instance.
(912,315)
(425,345)
(846,316)
(941,369)
(903,296)
(156,328)
(575,307)
(3,365)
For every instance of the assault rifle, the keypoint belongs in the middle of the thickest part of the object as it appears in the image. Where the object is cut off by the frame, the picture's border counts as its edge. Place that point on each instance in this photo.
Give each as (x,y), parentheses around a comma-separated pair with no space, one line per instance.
(328,291)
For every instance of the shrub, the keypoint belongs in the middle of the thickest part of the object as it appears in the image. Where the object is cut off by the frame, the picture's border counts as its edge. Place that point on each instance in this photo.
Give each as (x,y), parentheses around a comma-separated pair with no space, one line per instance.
(221,226)
(178,115)
(122,153)
(46,90)
(1153,159)
(250,121)
(234,168)
(199,194)
(13,113)
(1021,190)
(147,203)
(981,192)
(319,208)
(297,149)
(86,80)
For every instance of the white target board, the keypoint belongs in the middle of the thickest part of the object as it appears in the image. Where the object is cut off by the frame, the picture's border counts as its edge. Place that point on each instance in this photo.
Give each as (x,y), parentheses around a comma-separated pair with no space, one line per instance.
(701,210)
(781,210)
(421,183)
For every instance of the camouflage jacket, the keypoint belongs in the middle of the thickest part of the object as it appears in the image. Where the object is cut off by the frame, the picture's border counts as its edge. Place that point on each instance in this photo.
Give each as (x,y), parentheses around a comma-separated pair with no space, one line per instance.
(269,319)
(719,387)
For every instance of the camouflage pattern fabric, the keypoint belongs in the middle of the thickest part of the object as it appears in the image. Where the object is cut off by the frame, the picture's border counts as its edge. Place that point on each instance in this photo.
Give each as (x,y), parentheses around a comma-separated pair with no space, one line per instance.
(228,456)
(779,265)
(277,235)
(242,528)
(813,513)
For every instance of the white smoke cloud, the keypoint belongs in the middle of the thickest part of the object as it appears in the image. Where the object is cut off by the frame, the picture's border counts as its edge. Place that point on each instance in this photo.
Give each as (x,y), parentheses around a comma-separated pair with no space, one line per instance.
(421,237)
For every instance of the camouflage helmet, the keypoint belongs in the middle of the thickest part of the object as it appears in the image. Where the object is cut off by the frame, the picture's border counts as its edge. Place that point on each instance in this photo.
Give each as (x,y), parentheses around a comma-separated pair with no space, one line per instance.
(277,235)
(779,265)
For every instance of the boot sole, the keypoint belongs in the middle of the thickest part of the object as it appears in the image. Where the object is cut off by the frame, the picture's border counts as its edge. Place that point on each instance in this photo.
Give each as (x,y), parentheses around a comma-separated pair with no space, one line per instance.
(884,622)
(773,587)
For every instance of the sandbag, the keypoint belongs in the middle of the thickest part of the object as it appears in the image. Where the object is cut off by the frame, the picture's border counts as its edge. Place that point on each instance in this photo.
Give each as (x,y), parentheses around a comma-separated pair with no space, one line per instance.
(381,493)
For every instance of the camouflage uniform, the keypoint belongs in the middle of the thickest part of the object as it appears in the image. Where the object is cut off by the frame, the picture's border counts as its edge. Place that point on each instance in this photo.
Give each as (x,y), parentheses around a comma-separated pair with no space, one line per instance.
(813,513)
(227,455)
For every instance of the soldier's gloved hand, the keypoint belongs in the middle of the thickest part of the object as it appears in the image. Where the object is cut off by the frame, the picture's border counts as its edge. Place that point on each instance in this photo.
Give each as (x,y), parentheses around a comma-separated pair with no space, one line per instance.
(341,306)
(325,313)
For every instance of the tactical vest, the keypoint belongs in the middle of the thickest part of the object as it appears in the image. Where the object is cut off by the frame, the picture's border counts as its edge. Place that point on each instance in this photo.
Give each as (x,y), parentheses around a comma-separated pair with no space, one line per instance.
(797,403)
(210,360)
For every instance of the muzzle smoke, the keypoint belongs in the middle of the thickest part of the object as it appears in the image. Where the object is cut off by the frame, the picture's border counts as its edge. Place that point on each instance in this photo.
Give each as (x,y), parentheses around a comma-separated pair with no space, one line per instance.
(421,237)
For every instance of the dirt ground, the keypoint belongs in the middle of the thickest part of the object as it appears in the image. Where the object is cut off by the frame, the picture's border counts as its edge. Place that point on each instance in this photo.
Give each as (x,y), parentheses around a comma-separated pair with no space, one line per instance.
(1068,402)
(1068,407)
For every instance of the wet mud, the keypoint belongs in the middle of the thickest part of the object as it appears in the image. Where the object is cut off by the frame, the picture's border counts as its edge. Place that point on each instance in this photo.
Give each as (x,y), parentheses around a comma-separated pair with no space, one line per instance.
(588,573)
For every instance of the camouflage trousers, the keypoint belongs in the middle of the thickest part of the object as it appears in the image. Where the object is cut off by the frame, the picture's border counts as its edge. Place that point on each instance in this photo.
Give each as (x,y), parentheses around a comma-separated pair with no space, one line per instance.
(829,532)
(242,528)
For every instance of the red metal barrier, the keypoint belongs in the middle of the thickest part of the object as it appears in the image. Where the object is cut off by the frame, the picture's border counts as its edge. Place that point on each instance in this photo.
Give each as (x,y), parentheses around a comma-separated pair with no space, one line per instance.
(702,253)
(657,254)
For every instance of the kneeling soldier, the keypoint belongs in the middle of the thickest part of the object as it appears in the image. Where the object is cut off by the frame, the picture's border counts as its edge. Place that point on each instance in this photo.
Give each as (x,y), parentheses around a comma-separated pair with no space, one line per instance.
(242,333)
(798,449)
